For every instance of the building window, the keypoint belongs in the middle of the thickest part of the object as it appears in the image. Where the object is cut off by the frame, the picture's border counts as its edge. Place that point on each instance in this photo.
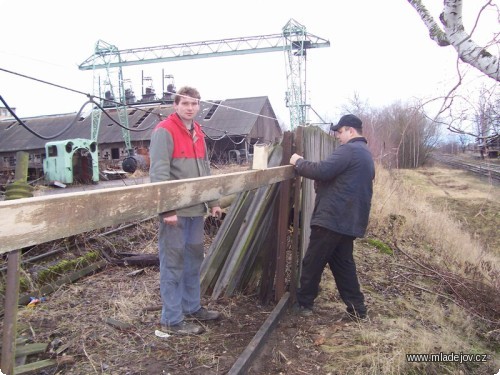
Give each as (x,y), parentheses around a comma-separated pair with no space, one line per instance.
(11,125)
(115,153)
(52,151)
(215,105)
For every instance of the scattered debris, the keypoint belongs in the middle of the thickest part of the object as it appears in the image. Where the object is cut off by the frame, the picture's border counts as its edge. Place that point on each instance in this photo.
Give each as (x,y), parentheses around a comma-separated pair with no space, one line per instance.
(161,334)
(118,324)
(58,184)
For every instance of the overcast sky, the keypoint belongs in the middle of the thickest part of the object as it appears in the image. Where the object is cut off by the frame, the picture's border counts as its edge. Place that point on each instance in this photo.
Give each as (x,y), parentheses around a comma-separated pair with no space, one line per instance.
(379,50)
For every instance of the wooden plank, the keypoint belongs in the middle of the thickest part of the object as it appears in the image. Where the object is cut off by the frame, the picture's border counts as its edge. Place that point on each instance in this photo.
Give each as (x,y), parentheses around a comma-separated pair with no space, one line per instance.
(244,361)
(29,349)
(297,209)
(243,249)
(67,279)
(239,262)
(223,241)
(264,270)
(35,366)
(7,361)
(283,216)
(10,318)
(31,221)
(118,324)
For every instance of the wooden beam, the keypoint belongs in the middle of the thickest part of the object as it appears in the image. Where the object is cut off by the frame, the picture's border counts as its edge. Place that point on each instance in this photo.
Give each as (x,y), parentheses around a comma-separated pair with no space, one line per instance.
(283,220)
(7,362)
(296,260)
(32,221)
(30,368)
(253,349)
(30,349)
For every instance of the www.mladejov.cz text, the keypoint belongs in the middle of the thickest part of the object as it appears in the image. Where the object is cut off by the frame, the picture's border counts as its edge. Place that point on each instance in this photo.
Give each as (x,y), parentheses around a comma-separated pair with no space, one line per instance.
(448,357)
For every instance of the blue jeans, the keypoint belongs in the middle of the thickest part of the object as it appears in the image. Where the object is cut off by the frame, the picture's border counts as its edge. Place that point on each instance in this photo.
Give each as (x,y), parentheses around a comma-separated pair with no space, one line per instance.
(181,255)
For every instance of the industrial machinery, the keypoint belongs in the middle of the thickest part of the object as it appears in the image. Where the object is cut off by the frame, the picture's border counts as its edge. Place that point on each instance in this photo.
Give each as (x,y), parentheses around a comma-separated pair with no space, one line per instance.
(73,160)
(294,41)
(115,95)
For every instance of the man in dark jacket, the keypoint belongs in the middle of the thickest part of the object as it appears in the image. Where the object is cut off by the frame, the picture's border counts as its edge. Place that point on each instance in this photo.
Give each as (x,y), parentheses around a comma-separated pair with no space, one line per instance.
(344,186)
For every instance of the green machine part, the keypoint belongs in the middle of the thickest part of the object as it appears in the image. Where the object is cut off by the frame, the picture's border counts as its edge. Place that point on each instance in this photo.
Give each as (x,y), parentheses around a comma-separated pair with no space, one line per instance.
(72,160)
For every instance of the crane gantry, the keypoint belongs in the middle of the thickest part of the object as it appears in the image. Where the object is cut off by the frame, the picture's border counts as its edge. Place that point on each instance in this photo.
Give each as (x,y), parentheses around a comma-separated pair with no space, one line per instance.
(294,41)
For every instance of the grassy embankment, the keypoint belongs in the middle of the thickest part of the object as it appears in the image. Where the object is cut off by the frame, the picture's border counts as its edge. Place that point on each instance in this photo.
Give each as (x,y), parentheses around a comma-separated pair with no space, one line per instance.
(430,269)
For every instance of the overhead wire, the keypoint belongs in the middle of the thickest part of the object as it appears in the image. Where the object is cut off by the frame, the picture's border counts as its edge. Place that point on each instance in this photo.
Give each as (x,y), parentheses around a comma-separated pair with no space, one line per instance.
(226,106)
(90,96)
(120,125)
(23,124)
(117,103)
(45,82)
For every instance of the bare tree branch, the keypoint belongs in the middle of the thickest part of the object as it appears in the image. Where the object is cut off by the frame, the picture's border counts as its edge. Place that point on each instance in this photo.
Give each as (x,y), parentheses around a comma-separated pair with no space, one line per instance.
(453,33)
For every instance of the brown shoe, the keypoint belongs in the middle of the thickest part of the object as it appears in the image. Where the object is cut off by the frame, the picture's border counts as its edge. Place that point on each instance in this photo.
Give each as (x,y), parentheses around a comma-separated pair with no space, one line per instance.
(185,328)
(204,314)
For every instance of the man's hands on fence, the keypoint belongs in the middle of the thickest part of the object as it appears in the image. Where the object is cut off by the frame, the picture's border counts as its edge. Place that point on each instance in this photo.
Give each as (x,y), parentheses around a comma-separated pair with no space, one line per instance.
(216,212)
(294,158)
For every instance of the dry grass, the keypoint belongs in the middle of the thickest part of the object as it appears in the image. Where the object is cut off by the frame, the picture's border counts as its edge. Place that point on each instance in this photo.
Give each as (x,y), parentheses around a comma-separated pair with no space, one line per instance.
(420,218)
(454,271)
(438,292)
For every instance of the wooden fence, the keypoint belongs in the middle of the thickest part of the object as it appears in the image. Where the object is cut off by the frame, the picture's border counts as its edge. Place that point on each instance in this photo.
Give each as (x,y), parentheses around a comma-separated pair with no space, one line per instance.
(32,221)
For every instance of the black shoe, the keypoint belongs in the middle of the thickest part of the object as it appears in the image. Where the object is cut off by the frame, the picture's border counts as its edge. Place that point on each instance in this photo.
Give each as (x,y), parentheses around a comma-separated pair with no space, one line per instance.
(185,328)
(302,310)
(204,314)
(357,317)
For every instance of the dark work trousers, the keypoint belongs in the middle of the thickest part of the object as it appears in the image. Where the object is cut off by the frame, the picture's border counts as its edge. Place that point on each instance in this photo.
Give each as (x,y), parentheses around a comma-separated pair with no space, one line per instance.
(334,249)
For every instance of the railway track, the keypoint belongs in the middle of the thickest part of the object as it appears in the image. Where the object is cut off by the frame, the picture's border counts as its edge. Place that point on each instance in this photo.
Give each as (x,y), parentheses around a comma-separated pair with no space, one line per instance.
(485,168)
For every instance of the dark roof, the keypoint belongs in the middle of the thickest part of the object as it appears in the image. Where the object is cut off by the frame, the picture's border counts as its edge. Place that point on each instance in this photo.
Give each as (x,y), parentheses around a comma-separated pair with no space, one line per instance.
(233,116)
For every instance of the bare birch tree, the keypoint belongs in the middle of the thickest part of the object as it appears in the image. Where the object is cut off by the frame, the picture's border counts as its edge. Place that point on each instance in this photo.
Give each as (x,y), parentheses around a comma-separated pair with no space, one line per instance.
(459,111)
(451,32)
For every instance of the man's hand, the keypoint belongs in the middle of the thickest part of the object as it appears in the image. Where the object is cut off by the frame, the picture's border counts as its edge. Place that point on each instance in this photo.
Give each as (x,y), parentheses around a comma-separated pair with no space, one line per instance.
(170,220)
(294,158)
(216,212)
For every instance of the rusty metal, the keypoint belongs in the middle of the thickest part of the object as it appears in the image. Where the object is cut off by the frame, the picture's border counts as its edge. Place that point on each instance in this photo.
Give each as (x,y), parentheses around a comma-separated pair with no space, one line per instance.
(18,189)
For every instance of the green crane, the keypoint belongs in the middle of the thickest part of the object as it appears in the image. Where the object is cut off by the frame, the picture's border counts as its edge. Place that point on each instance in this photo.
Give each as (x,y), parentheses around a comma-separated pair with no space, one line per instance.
(114,94)
(294,41)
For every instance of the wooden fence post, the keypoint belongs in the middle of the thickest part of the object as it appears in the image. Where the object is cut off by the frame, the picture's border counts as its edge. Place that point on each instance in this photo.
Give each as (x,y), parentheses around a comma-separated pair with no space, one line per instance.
(12,287)
(295,263)
(283,220)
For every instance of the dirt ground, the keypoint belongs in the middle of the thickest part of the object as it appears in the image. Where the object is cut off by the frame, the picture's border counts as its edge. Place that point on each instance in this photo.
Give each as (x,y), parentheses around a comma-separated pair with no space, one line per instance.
(106,323)
(79,322)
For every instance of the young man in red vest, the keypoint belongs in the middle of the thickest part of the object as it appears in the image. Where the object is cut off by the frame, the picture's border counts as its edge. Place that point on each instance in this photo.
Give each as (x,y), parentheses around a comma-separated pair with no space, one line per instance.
(178,151)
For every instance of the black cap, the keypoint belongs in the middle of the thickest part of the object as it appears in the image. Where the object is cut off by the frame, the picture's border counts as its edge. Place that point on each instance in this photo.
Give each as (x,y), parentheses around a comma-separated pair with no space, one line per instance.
(347,120)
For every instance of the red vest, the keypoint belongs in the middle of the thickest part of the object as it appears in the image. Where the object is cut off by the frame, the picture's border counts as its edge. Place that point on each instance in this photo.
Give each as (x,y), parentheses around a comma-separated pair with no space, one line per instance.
(185,145)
